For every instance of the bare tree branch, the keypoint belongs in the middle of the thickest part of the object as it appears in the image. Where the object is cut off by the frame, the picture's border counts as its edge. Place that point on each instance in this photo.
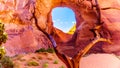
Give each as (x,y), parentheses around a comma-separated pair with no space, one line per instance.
(80,54)
(73,62)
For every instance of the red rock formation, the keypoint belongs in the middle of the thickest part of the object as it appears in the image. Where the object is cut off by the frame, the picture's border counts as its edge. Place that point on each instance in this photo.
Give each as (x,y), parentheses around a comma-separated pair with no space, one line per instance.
(111,19)
(24,37)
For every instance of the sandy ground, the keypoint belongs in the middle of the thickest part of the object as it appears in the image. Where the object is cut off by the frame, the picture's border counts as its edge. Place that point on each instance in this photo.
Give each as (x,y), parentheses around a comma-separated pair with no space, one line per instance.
(48,60)
(44,60)
(100,61)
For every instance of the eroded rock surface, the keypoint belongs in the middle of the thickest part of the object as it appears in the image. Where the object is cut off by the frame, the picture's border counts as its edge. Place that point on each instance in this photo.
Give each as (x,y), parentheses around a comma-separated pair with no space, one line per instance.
(24,39)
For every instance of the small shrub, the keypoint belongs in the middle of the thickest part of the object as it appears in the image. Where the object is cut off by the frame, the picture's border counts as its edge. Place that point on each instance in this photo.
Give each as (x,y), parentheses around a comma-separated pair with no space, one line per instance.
(40,58)
(50,58)
(61,67)
(33,57)
(6,62)
(32,63)
(45,65)
(55,62)
(50,50)
(41,50)
(22,59)
(17,65)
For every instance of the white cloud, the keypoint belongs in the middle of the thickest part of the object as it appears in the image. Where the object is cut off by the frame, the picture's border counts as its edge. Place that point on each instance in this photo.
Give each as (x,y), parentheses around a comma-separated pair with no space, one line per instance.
(54,21)
(73,22)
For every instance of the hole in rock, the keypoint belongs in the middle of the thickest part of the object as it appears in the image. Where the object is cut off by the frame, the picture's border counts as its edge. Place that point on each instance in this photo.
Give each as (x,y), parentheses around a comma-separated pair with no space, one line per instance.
(64,19)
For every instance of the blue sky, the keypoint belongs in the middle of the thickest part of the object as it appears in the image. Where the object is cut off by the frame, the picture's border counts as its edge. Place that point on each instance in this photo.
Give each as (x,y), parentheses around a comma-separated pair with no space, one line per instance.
(63,18)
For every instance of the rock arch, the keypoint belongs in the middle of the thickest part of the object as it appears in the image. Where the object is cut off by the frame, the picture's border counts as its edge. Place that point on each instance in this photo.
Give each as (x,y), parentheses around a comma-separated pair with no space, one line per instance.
(43,9)
(85,14)
(86,18)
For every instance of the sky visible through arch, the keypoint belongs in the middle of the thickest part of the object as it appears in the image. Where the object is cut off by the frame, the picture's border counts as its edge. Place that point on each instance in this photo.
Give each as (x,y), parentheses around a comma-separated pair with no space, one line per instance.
(63,18)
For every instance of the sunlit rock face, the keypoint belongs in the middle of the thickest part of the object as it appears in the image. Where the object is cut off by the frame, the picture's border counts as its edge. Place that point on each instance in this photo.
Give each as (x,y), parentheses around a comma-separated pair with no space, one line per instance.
(23,36)
(112,22)
(24,39)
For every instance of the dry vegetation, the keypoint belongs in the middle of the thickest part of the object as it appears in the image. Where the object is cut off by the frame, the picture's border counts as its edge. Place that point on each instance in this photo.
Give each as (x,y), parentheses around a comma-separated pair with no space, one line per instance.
(38,60)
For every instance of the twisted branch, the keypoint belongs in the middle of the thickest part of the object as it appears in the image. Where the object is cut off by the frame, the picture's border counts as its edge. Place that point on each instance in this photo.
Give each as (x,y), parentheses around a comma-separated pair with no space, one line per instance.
(74,61)
(90,45)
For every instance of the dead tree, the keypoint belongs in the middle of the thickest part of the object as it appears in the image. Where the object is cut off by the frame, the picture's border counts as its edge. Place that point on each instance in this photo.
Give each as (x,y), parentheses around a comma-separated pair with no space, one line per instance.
(73,62)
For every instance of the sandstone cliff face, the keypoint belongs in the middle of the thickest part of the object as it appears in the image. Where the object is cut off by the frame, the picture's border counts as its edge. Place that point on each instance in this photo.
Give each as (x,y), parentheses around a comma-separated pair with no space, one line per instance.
(20,16)
(24,39)
(112,22)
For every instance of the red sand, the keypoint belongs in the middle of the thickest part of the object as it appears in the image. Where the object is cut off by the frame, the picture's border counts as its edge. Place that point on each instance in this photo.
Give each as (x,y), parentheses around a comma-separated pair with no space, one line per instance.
(100,61)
